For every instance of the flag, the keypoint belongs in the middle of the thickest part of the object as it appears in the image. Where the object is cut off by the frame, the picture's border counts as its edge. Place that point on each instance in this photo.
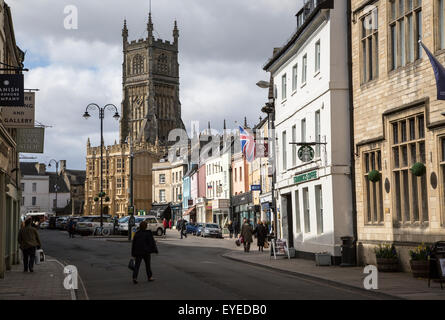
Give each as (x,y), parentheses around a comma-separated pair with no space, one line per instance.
(247,144)
(439,72)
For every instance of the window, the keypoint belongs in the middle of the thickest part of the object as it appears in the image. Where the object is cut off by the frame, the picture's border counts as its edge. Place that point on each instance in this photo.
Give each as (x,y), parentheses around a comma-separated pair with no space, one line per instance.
(369,45)
(304,75)
(373,190)
(162,179)
(163,64)
(34,201)
(406,31)
(294,77)
(118,183)
(317,56)
(319,208)
(317,133)
(303,130)
(162,196)
(34,187)
(441,24)
(307,213)
(138,64)
(411,191)
(283,87)
(235,175)
(241,174)
(294,146)
(297,211)
(284,153)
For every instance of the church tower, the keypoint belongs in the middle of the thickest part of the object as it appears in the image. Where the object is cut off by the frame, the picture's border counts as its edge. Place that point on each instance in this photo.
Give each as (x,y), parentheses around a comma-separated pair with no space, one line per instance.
(150,81)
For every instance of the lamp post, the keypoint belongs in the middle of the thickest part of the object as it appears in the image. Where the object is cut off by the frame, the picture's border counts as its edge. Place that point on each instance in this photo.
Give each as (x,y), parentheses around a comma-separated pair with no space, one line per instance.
(269,109)
(131,220)
(56,187)
(116,116)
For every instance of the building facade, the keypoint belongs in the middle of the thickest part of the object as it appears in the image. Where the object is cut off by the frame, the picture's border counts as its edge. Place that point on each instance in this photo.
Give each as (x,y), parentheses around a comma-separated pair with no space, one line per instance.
(398,123)
(312,106)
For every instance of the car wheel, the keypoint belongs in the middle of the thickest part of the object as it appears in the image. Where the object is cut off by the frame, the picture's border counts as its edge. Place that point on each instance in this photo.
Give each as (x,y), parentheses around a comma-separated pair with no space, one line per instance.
(159,232)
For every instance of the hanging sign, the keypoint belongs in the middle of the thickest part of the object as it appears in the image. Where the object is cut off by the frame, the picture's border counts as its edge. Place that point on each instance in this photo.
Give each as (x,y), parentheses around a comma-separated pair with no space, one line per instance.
(306,153)
(22,116)
(30,140)
(12,90)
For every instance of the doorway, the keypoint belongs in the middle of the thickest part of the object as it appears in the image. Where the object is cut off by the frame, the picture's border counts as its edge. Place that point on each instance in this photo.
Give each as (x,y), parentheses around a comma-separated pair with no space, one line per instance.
(289,220)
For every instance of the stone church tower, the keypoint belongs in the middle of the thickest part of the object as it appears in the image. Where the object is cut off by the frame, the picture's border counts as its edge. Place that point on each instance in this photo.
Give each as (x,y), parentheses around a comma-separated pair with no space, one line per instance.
(150,106)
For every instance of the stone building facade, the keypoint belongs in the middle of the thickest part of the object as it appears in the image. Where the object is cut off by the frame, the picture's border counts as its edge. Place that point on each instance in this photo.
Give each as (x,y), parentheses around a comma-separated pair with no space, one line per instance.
(397,123)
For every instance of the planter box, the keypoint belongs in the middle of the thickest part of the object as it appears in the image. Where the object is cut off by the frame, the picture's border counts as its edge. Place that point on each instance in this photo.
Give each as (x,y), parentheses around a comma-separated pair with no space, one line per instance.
(387,265)
(420,268)
(323,259)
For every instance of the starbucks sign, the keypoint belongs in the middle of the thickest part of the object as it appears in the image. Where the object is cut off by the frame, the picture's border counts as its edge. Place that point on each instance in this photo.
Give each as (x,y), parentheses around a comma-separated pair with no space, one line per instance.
(306,154)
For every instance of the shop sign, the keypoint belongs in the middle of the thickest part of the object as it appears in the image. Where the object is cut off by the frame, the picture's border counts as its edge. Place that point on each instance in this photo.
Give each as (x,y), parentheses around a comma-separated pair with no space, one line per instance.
(20,116)
(12,92)
(306,177)
(306,153)
(30,140)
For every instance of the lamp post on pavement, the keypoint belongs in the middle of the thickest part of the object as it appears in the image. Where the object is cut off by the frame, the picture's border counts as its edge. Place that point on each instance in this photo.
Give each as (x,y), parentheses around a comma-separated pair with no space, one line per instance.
(56,186)
(116,116)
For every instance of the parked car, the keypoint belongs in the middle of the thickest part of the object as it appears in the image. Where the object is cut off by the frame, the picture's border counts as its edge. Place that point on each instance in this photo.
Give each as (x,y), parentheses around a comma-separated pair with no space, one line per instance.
(61,223)
(199,229)
(87,225)
(191,228)
(155,225)
(44,225)
(211,230)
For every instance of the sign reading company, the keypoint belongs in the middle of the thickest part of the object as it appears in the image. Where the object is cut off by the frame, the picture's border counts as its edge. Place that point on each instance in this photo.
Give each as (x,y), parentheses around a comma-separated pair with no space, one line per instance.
(313,175)
(30,140)
(12,90)
(22,116)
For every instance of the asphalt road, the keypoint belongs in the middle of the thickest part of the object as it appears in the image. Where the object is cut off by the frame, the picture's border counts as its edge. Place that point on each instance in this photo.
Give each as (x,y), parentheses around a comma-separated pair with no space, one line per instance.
(182,272)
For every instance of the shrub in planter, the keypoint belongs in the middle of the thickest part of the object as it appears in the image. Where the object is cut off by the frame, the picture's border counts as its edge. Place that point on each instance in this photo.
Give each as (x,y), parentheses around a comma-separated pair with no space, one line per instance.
(418,169)
(387,260)
(374,176)
(107,199)
(419,261)
(96,199)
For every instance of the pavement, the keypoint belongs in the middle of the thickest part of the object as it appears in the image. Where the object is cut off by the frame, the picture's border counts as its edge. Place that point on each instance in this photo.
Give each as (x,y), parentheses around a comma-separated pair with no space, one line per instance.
(45,283)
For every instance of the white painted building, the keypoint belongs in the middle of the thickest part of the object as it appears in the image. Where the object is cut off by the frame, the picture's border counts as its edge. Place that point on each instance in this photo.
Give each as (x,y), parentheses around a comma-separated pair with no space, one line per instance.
(310,74)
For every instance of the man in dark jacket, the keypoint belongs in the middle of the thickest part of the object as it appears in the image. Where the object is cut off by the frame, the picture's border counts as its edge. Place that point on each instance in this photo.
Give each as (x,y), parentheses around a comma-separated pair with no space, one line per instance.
(183,228)
(29,240)
(142,247)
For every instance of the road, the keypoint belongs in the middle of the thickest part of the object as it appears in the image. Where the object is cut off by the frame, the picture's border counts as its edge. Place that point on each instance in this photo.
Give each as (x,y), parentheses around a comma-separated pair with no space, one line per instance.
(191,269)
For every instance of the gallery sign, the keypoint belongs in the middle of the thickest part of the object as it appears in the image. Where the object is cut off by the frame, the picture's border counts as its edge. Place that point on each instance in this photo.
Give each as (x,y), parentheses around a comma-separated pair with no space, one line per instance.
(30,140)
(12,90)
(21,116)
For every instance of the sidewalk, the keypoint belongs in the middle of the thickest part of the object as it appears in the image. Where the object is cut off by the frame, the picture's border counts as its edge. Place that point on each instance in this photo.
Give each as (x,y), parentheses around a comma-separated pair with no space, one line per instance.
(45,283)
(401,285)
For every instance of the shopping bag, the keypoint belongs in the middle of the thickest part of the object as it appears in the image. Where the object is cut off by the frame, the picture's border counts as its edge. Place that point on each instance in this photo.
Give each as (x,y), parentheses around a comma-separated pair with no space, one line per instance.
(131,264)
(40,256)
(238,242)
(266,245)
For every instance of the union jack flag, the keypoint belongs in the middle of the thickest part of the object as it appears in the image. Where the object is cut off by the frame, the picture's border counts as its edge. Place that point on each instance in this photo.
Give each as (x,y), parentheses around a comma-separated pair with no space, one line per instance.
(247,144)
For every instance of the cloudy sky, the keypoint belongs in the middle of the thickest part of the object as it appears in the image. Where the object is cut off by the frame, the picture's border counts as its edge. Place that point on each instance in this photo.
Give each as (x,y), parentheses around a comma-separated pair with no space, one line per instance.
(223,46)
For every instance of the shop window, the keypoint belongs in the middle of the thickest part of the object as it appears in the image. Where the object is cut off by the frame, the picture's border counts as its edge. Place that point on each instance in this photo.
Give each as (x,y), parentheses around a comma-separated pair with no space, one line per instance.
(373,190)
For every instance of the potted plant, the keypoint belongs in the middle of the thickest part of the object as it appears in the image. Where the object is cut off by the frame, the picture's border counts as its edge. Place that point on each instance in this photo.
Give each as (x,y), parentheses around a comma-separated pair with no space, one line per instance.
(387,260)
(374,176)
(419,261)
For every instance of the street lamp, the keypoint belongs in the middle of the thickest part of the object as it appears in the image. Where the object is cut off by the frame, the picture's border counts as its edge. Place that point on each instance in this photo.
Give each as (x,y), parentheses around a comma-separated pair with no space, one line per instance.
(56,187)
(116,116)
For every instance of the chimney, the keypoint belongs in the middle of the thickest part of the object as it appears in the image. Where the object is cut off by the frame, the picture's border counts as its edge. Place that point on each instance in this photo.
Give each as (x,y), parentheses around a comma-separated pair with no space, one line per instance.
(41,168)
(62,165)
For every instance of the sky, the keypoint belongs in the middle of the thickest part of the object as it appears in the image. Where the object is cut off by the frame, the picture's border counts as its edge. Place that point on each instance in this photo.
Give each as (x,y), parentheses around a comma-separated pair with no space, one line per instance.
(223,47)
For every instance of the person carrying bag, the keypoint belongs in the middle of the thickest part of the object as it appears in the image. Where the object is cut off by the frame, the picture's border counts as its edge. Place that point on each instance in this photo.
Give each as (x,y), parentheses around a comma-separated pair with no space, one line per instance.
(29,241)
(142,247)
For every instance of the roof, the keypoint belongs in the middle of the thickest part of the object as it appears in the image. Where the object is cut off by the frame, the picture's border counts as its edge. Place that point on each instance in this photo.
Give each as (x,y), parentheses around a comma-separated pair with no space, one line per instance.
(76,177)
(29,168)
(62,187)
(323,4)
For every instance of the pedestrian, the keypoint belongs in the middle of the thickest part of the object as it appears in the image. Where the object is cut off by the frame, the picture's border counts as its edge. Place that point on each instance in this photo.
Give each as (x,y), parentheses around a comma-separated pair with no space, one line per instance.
(246,233)
(142,247)
(71,227)
(29,241)
(236,228)
(230,228)
(178,225)
(165,224)
(170,223)
(183,228)
(261,234)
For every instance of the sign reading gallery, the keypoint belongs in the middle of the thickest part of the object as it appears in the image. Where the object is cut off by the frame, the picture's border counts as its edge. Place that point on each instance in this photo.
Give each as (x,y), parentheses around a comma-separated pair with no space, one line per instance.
(12,90)
(21,116)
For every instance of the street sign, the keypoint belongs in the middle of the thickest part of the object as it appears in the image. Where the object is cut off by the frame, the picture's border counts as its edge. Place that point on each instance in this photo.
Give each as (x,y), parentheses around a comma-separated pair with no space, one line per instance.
(12,90)
(306,153)
(255,187)
(313,175)
(20,116)
(30,140)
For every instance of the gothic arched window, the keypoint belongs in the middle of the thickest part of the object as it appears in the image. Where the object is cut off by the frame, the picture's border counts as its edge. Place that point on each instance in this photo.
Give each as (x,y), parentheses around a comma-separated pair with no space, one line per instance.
(138,64)
(163,64)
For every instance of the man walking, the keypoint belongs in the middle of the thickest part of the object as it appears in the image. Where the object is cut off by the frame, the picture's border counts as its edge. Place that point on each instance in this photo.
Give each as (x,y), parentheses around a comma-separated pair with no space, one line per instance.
(71,228)
(230,228)
(29,240)
(142,247)
(183,228)
(246,233)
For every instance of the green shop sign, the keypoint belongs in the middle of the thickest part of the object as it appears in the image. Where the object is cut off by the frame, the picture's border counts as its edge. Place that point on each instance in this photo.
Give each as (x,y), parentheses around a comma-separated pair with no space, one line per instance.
(313,175)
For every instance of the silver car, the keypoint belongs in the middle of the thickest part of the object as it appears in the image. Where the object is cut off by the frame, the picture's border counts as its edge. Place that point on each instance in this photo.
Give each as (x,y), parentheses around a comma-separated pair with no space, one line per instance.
(153,224)
(87,225)
(211,230)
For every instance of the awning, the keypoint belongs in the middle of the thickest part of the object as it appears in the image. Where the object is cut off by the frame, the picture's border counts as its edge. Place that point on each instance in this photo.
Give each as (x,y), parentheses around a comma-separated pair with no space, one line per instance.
(189,211)
(161,211)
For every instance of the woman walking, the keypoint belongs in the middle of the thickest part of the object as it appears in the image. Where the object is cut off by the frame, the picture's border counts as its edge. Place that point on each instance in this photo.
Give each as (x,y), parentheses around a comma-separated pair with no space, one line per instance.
(230,228)
(142,247)
(165,224)
(261,234)
(29,240)
(246,233)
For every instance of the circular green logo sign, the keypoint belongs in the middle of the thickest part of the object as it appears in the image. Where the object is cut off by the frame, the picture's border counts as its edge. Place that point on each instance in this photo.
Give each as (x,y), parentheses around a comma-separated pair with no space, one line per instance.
(306,154)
